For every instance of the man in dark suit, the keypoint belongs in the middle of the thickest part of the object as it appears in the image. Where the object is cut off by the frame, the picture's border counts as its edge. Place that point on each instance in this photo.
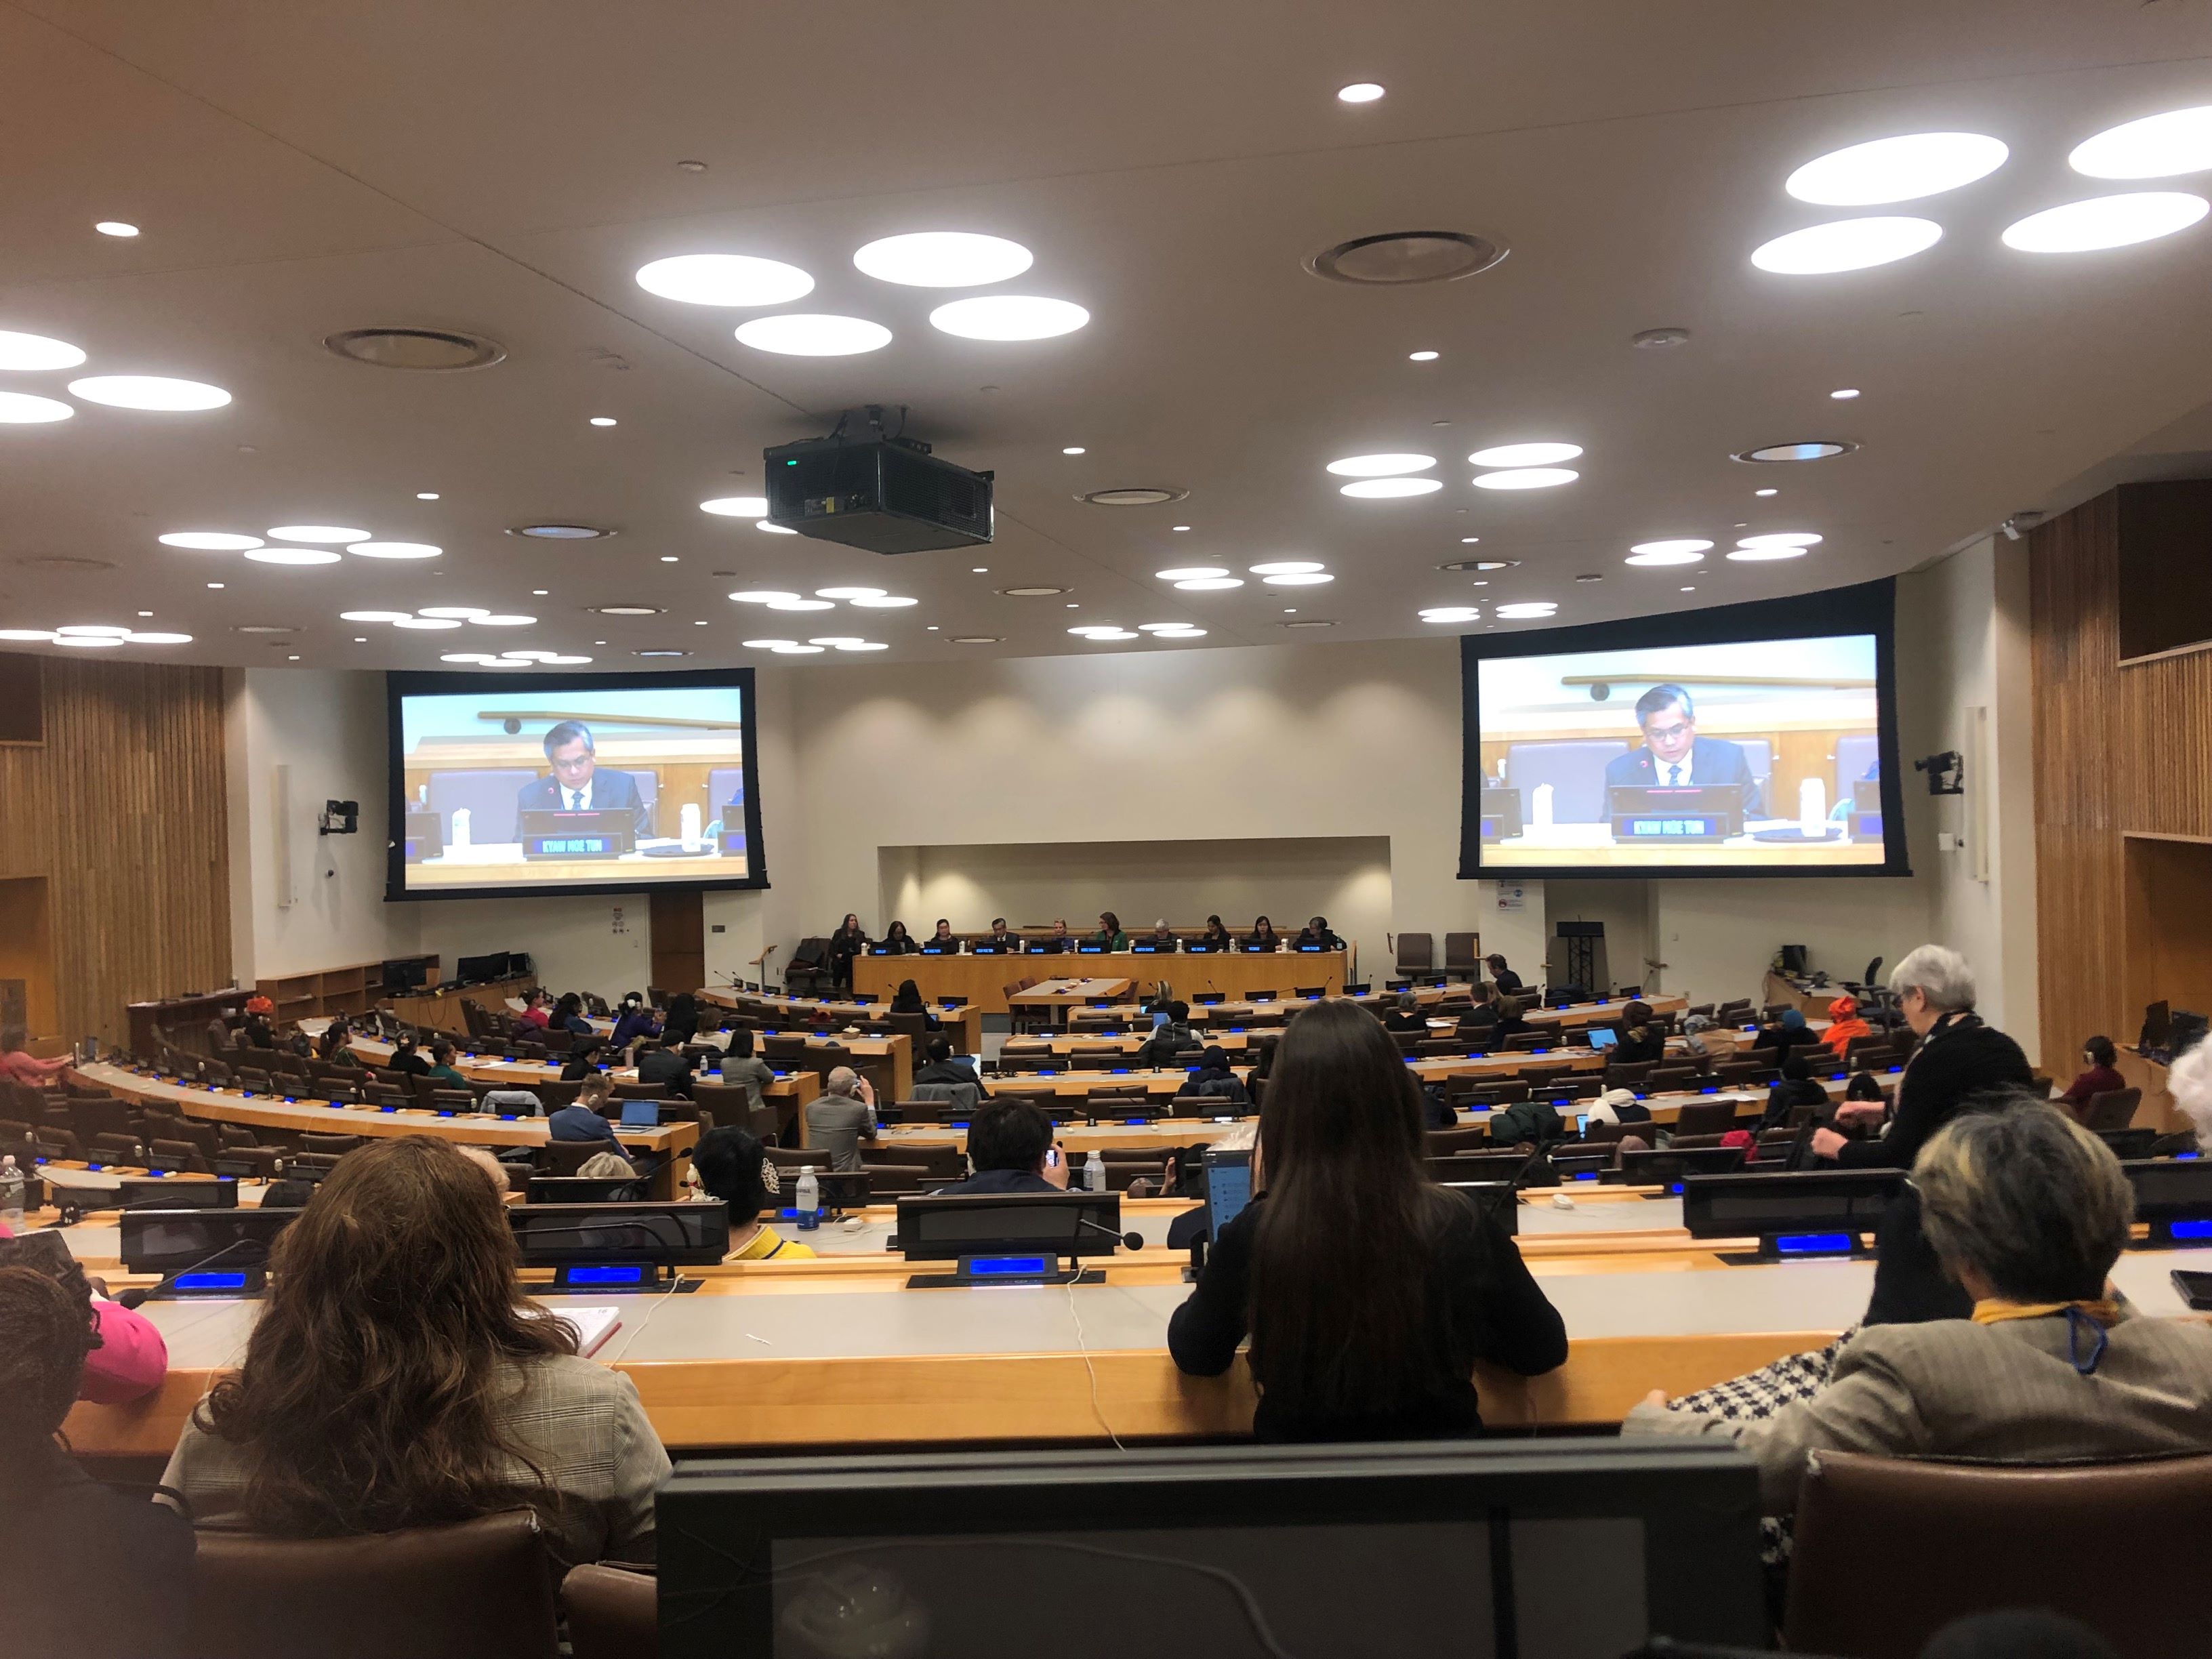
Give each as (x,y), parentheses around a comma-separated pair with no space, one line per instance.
(578,785)
(1673,756)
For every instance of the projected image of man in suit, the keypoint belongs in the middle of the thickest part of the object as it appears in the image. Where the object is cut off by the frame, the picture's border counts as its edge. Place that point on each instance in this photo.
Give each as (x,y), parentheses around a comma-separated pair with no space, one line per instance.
(578,783)
(1674,755)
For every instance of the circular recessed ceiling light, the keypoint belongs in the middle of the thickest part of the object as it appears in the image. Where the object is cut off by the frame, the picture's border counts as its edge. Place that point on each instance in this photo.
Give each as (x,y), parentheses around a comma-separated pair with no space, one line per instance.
(560,532)
(93,631)
(800,604)
(1528,608)
(1299,579)
(623,610)
(514,620)
(394,551)
(22,408)
(1097,636)
(1385,489)
(152,391)
(605,420)
(291,556)
(660,653)
(426,494)
(161,639)
(1134,496)
(1816,450)
(1761,555)
(209,541)
(1187,573)
(1309,623)
(974,639)
(2156,147)
(1032,592)
(427,623)
(283,628)
(1423,357)
(1479,564)
(1526,454)
(813,334)
(1287,567)
(1844,394)
(316,532)
(1359,92)
(1398,259)
(116,228)
(1527,478)
(1900,169)
(30,352)
(1782,538)
(724,279)
(1074,449)
(942,259)
(2103,222)
(1380,467)
(465,612)
(1846,244)
(848,593)
(370,616)
(1686,550)
(86,641)
(736,506)
(1008,317)
(884,602)
(1210,584)
(1451,613)
(751,596)
(1768,491)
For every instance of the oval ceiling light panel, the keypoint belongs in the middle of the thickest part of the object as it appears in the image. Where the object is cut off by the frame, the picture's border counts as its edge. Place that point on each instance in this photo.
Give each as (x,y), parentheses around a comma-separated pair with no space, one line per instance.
(428,623)
(135,638)
(1359,92)
(1900,169)
(2103,222)
(1820,450)
(150,392)
(1660,549)
(88,641)
(776,529)
(1666,553)
(1526,609)
(848,594)
(762,596)
(28,635)
(465,612)
(1305,579)
(1188,573)
(1846,244)
(800,604)
(813,334)
(375,616)
(93,631)
(1210,584)
(1760,555)
(1781,539)
(1287,567)
(567,662)
(837,641)
(1376,489)
(1451,613)
(1380,467)
(516,620)
(291,556)
(394,551)
(1526,454)
(796,650)
(209,541)
(1009,316)
(943,258)
(465,656)
(1527,478)
(884,602)
(736,506)
(22,408)
(31,352)
(316,532)
(767,644)
(725,279)
(2156,147)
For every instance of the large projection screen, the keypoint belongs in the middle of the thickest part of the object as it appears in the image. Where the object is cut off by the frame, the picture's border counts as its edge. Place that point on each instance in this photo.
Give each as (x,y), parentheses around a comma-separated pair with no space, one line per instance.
(520,784)
(1749,740)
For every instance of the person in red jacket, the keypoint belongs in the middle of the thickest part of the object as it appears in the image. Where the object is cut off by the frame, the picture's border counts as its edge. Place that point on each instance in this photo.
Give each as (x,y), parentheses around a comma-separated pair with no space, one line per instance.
(2098,1078)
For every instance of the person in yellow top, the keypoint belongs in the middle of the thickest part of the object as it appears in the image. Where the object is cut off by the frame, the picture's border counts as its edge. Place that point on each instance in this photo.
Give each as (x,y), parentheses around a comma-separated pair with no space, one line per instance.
(733,1166)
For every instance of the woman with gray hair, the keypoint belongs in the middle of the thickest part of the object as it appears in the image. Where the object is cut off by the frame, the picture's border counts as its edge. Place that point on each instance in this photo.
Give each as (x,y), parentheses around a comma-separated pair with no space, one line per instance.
(2028,1212)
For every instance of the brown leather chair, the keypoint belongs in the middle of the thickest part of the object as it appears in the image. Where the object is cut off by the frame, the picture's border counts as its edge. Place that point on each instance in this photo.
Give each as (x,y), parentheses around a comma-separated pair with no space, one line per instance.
(482,1590)
(1889,1550)
(891,1180)
(2113,1109)
(1417,953)
(329,1145)
(1705,1117)
(1443,1143)
(613,1612)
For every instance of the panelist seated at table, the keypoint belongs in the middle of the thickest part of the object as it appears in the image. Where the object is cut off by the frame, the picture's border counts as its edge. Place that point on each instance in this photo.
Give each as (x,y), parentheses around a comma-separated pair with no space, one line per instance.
(1262,936)
(1059,942)
(1673,756)
(579,784)
(896,942)
(1315,936)
(944,942)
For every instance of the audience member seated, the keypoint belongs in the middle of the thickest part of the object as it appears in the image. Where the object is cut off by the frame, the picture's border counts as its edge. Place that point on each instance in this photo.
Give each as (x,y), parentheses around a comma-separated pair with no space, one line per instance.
(128,1359)
(1109,936)
(496,1172)
(1797,1087)
(1170,1037)
(672,1068)
(258,1031)
(743,1069)
(944,1067)
(1009,1149)
(909,1000)
(2027,1212)
(17,1065)
(335,1046)
(733,1166)
(1213,1080)
(407,1060)
(599,1166)
(1640,1042)
(84,1571)
(1368,1293)
(1959,1060)
(582,1119)
(1864,1087)
(1480,1021)
(1216,937)
(897,942)
(583,1061)
(441,1070)
(841,1117)
(1845,1026)
(1262,936)
(568,1015)
(635,1020)
(2099,1075)
(397,1378)
(679,1022)
(1789,1031)
(536,1008)
(1406,1015)
(1509,1021)
(1507,982)
(1315,933)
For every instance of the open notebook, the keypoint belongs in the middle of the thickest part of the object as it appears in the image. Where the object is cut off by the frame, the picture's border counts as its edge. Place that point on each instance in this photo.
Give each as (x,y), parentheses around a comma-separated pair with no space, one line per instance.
(593,1325)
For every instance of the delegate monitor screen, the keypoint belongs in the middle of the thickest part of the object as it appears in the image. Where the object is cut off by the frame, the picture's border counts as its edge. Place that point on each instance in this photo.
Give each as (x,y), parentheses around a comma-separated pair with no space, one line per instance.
(1755,753)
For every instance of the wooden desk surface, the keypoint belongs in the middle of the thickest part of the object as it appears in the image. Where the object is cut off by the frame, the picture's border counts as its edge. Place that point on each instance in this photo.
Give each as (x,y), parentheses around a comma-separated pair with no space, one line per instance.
(772,1360)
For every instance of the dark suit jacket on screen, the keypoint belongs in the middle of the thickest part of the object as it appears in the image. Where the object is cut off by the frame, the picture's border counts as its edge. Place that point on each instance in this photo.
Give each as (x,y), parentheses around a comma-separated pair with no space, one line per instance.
(1713,762)
(611,792)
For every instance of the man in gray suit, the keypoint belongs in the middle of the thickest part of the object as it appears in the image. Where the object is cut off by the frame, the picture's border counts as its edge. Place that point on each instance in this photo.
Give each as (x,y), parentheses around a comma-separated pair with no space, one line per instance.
(1673,756)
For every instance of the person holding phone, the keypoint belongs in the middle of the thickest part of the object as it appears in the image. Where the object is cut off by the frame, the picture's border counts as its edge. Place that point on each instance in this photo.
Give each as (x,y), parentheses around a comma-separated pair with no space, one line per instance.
(1011,1148)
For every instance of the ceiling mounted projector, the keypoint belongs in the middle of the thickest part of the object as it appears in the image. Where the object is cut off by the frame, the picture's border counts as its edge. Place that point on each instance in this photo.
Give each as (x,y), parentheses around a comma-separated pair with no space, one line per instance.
(885,493)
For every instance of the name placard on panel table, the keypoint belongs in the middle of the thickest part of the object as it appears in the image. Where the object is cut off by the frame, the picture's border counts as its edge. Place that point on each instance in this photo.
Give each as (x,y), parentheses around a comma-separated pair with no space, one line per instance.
(982,980)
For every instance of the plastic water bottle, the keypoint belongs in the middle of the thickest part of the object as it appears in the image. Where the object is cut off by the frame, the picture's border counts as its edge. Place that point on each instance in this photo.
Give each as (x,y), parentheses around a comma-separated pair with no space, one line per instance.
(12,1189)
(809,1201)
(460,834)
(1094,1173)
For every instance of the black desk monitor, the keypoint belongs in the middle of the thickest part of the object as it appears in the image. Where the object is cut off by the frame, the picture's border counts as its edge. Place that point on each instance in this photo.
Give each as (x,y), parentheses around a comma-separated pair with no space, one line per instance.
(426,837)
(1017,1237)
(2174,1196)
(154,1194)
(1501,813)
(2157,1026)
(1479,1548)
(1666,1168)
(212,1251)
(584,1190)
(1815,1212)
(1500,1200)
(607,1247)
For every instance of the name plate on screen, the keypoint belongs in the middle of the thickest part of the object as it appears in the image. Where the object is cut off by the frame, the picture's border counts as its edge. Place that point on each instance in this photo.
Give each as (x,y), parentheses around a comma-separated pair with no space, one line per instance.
(1647,815)
(559,835)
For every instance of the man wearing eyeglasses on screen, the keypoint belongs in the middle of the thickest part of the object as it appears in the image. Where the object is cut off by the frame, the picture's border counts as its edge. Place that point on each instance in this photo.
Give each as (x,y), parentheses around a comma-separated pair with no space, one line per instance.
(1674,757)
(578,784)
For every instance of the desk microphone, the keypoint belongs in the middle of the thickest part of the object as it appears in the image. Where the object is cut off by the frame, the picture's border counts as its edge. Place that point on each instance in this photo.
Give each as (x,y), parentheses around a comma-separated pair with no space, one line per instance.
(133,1299)
(1130,1240)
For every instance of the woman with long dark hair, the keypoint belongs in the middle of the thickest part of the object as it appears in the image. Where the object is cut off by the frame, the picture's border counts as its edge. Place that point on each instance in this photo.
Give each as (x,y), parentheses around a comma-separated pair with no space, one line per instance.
(398,1378)
(1368,1293)
(679,1025)
(1262,937)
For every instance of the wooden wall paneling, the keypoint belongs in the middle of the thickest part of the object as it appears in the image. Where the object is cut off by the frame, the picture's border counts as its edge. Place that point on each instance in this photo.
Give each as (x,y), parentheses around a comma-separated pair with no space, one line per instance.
(122,809)
(679,938)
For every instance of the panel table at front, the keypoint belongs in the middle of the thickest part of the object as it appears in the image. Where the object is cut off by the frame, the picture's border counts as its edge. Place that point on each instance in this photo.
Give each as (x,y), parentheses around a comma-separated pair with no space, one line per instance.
(983,979)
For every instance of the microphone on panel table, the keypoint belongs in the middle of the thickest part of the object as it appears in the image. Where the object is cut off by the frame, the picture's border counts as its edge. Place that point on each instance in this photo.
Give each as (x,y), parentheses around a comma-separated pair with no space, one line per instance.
(1129,1241)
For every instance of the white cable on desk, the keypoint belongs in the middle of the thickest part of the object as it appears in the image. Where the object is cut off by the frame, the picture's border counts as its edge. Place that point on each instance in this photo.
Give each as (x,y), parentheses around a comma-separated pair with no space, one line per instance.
(1084,1348)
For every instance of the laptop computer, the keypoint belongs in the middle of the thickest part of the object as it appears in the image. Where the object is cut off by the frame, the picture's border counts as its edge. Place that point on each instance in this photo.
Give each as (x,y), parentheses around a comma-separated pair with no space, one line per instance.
(641,1114)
